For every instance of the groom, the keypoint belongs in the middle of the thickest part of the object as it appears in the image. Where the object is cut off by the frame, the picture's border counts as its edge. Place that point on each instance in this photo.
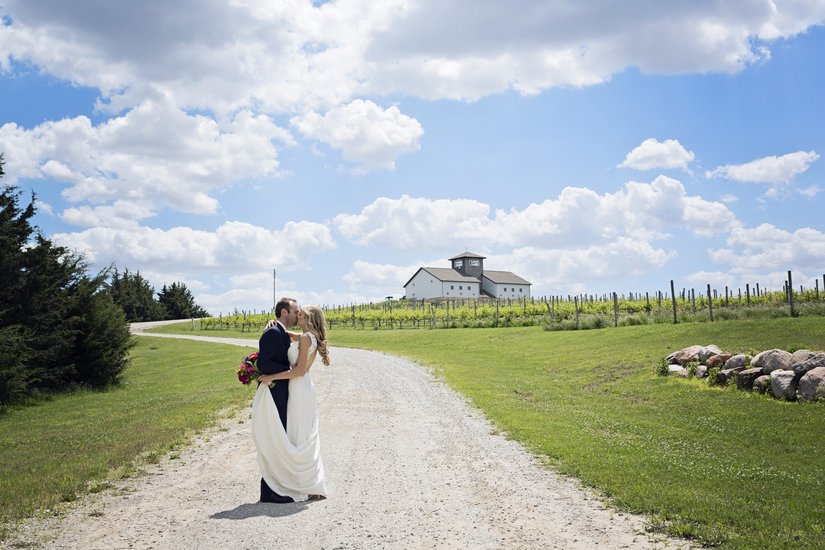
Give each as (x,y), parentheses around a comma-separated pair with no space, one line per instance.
(272,359)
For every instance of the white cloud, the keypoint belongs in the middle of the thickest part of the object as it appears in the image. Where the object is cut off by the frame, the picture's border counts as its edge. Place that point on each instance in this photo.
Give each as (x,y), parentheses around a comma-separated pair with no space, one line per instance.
(364,132)
(773,170)
(412,223)
(382,279)
(153,157)
(652,154)
(766,248)
(577,217)
(296,57)
(231,247)
(811,191)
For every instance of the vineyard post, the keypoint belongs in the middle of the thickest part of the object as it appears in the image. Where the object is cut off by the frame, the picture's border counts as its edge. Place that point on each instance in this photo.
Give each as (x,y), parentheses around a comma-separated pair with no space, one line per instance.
(710,303)
(693,299)
(553,308)
(615,310)
(659,297)
(496,311)
(748,293)
(757,290)
(673,299)
(726,296)
(576,306)
(816,283)
(790,294)
(647,300)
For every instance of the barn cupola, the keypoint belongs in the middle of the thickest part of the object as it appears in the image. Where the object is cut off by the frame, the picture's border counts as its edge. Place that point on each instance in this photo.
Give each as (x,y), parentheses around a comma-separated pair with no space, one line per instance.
(469,264)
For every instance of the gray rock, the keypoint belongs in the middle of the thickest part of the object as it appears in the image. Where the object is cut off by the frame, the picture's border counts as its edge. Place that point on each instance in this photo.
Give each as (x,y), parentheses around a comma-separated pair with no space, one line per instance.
(701,371)
(684,355)
(812,385)
(783,384)
(675,369)
(726,374)
(771,360)
(746,378)
(707,352)
(739,360)
(762,383)
(801,355)
(802,368)
(718,361)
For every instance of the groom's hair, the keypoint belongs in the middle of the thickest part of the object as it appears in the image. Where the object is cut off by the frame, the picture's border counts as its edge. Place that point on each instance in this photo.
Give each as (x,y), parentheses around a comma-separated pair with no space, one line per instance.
(283,304)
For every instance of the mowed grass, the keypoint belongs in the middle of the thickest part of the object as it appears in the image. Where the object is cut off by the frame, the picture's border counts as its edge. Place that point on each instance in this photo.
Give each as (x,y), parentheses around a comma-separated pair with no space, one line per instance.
(715,464)
(54,451)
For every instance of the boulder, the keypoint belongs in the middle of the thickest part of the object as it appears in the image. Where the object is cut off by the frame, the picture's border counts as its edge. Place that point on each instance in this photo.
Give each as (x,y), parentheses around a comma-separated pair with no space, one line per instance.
(812,385)
(726,374)
(738,360)
(783,384)
(718,360)
(745,378)
(675,369)
(684,355)
(801,355)
(771,360)
(762,383)
(701,371)
(707,352)
(803,367)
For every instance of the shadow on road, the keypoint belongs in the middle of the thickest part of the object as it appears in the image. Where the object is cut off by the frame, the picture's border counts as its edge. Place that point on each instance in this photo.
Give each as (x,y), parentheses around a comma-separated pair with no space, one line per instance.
(257,509)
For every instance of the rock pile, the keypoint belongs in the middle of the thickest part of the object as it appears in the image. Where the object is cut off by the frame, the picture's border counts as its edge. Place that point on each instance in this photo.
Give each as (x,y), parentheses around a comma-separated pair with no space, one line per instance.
(790,376)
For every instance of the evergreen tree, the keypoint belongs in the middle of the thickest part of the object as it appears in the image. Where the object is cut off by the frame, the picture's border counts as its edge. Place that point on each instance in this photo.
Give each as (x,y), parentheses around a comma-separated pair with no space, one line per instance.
(58,326)
(179,302)
(136,297)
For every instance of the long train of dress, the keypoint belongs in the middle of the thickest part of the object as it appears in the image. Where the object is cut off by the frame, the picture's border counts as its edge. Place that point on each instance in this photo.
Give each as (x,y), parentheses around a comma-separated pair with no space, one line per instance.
(290,460)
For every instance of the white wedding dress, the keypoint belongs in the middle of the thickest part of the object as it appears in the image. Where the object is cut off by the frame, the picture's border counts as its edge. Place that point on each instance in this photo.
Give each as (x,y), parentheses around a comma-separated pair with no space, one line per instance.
(290,461)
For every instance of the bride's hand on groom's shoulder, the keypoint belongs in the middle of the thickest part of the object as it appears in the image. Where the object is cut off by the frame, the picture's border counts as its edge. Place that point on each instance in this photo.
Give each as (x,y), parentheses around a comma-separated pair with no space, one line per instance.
(269,324)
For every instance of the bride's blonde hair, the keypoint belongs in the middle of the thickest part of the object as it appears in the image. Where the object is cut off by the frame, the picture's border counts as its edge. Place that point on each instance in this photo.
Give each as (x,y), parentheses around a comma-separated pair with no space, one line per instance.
(317,325)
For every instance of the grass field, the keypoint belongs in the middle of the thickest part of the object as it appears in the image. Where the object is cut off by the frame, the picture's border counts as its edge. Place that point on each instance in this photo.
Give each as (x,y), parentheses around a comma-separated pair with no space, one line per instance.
(55,450)
(725,467)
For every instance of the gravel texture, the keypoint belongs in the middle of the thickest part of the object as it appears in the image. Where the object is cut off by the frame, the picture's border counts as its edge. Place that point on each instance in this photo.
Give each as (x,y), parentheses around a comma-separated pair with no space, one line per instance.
(408,464)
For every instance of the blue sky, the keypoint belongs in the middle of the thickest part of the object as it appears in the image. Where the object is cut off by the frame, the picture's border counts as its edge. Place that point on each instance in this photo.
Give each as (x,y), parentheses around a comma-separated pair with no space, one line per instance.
(345,144)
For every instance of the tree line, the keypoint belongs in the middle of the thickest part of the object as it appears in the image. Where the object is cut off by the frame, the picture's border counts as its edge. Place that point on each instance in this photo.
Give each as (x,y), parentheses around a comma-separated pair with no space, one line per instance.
(62,328)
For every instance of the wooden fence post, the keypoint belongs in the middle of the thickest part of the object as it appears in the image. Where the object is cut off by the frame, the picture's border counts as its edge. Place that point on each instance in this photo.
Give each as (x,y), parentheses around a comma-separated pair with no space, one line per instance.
(790,294)
(673,299)
(576,305)
(710,303)
(615,310)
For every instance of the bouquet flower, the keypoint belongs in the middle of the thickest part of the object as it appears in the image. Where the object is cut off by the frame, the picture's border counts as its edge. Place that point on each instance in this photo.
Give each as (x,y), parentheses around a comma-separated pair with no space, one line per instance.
(248,370)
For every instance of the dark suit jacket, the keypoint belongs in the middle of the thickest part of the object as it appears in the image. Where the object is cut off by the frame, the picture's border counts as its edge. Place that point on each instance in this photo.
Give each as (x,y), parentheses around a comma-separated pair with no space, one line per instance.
(272,358)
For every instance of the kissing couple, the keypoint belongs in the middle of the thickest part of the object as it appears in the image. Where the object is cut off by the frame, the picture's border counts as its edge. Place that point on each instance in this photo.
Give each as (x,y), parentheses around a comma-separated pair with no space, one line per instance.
(285,413)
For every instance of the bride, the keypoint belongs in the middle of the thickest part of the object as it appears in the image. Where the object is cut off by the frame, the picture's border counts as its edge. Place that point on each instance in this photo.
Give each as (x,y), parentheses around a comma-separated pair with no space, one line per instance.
(290,460)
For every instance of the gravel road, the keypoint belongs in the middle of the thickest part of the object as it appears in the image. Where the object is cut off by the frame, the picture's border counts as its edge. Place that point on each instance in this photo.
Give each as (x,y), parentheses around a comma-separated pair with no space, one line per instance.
(408,465)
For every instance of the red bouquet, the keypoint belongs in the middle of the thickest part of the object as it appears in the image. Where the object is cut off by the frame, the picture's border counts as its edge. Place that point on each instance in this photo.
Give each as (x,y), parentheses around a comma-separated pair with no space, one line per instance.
(248,370)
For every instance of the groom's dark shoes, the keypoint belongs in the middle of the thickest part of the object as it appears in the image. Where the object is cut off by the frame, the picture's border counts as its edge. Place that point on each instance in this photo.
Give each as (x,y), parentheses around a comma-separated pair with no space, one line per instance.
(277,499)
(268,495)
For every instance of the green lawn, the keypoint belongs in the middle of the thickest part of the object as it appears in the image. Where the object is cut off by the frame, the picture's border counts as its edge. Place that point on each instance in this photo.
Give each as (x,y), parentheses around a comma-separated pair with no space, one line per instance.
(722,466)
(729,468)
(52,451)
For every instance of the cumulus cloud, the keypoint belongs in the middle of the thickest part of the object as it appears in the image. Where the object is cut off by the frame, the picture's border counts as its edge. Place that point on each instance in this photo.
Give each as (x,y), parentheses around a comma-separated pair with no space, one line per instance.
(232,246)
(653,154)
(155,156)
(411,223)
(383,279)
(773,170)
(364,132)
(296,60)
(766,248)
(577,217)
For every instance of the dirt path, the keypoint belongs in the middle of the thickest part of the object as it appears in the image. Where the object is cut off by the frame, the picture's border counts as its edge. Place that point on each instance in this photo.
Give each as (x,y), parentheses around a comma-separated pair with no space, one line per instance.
(408,465)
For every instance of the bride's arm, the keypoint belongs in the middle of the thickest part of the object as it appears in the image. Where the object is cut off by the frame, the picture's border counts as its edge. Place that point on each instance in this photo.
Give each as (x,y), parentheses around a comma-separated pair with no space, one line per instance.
(296,370)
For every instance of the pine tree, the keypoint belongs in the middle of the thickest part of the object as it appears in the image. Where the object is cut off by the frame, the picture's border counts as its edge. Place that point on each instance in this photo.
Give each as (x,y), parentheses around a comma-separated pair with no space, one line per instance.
(58,327)
(179,302)
(135,296)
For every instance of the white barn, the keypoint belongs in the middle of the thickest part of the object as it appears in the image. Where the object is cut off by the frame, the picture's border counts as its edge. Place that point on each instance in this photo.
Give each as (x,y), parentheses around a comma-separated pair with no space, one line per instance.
(465,279)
